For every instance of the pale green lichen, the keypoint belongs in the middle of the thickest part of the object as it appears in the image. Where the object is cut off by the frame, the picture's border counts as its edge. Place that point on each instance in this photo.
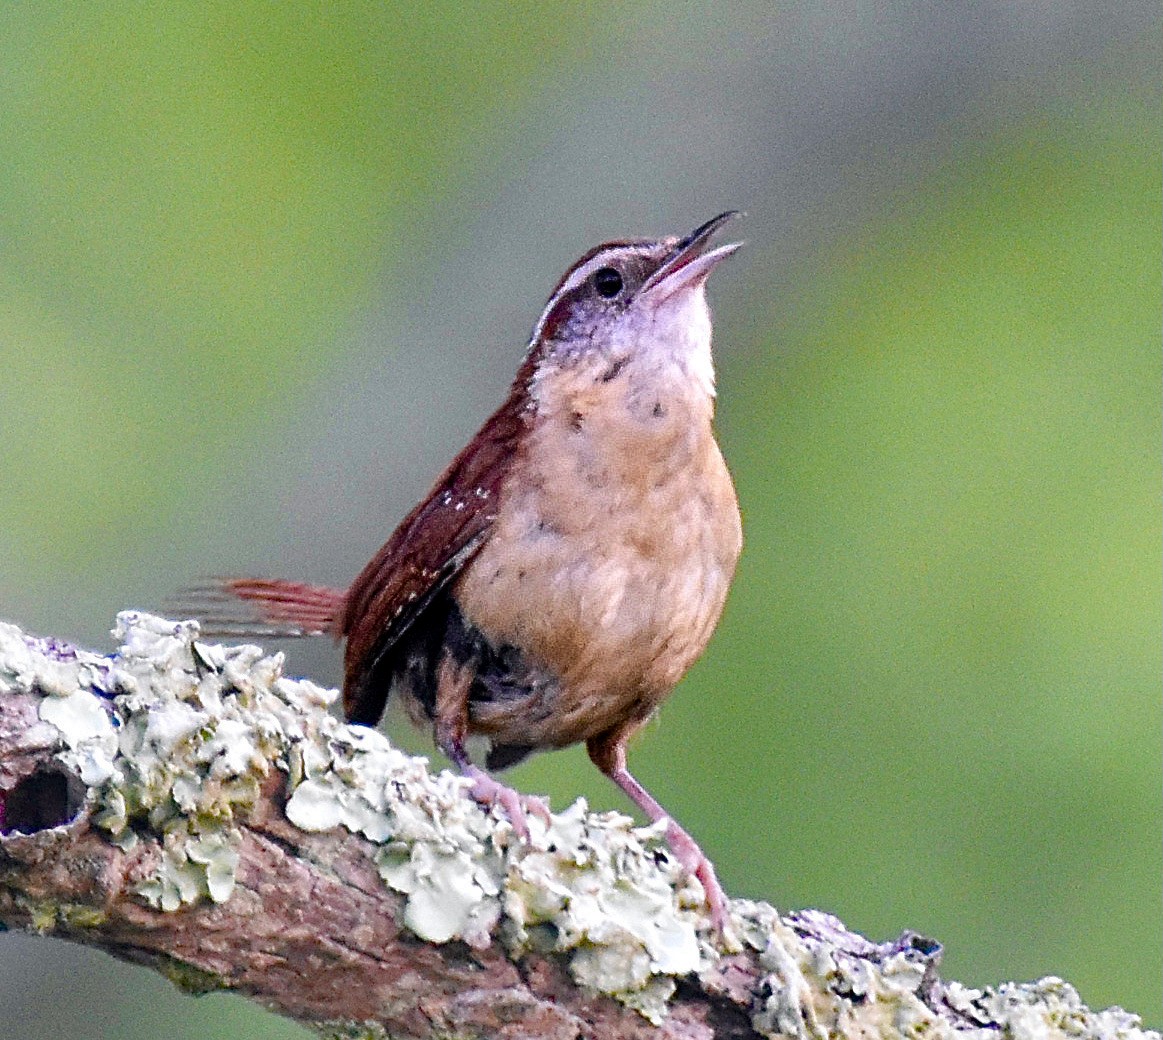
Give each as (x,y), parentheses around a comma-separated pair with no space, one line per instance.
(352,1031)
(819,986)
(174,737)
(1048,1009)
(46,916)
(614,897)
(189,979)
(171,737)
(77,915)
(785,1004)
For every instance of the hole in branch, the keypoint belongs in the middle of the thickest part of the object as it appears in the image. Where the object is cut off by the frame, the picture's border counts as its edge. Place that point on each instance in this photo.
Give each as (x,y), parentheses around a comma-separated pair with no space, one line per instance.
(47,798)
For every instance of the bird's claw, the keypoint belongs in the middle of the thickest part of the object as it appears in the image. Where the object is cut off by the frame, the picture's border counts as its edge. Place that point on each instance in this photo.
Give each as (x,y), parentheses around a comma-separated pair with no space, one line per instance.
(518,807)
(694,861)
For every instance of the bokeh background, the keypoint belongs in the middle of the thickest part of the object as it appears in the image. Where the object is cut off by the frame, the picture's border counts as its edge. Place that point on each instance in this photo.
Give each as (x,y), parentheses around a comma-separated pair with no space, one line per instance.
(265,267)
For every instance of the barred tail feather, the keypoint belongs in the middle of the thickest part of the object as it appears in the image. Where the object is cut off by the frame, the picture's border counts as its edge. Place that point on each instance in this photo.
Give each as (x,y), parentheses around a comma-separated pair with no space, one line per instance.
(266,607)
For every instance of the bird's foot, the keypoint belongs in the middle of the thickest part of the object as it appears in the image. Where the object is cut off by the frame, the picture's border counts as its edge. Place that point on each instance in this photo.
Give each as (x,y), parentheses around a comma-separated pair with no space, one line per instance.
(693,860)
(518,807)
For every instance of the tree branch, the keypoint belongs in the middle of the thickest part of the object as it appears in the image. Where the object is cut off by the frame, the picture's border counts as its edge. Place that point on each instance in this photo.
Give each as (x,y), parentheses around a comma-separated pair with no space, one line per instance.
(185,806)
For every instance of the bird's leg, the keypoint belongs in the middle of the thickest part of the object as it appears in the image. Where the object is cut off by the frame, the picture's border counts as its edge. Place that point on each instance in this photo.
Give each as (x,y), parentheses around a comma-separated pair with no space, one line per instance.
(453,683)
(608,753)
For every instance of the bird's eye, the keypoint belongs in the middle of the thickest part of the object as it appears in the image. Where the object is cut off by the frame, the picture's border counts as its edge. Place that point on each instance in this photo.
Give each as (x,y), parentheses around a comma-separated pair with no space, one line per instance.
(608,282)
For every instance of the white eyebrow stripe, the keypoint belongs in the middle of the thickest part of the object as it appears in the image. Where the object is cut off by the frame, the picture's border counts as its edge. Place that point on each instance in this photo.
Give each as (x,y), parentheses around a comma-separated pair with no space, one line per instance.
(576,277)
(595,263)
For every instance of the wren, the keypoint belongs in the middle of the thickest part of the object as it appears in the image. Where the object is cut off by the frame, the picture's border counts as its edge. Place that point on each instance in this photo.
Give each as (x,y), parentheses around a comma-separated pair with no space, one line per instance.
(571,563)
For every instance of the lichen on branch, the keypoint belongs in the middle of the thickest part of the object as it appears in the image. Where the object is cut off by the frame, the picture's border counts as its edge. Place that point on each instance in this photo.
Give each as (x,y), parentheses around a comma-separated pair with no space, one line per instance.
(186,804)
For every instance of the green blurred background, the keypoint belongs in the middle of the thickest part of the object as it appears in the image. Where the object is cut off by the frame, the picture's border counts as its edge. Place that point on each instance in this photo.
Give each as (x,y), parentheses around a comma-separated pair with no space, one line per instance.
(265,267)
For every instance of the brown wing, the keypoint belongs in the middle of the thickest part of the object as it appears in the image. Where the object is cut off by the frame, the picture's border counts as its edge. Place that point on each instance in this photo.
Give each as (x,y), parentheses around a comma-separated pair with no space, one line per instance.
(429,548)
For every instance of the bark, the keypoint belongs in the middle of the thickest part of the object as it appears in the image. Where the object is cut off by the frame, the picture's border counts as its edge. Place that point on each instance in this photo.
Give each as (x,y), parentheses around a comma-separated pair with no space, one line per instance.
(184,806)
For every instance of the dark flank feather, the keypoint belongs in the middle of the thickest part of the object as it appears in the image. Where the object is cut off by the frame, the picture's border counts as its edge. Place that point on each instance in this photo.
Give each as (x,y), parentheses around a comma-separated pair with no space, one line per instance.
(401,587)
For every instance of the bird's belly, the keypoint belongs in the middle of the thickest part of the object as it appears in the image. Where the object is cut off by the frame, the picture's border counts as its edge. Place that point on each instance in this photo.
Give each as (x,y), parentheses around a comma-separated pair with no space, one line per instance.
(614,595)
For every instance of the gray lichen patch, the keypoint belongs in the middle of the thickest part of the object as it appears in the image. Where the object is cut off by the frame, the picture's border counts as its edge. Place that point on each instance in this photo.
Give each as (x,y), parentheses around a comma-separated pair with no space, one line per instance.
(172,739)
(824,981)
(1044,1010)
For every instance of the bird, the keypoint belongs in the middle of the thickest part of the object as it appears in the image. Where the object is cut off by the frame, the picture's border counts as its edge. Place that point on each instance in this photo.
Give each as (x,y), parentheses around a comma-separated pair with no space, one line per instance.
(571,563)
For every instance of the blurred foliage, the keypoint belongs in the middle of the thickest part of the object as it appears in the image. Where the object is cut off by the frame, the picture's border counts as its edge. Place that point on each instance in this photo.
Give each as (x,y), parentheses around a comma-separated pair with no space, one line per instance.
(199,200)
(934,700)
(951,485)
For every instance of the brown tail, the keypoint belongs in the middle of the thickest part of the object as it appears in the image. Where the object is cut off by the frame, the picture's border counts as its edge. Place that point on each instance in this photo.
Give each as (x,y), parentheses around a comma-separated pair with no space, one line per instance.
(262,607)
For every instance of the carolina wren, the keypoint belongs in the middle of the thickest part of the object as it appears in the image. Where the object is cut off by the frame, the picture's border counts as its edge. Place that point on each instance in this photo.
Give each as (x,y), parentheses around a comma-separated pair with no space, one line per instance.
(571,563)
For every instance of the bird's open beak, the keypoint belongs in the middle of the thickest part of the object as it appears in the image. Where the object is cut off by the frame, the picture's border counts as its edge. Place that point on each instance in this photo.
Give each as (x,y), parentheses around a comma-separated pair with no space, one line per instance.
(688,264)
